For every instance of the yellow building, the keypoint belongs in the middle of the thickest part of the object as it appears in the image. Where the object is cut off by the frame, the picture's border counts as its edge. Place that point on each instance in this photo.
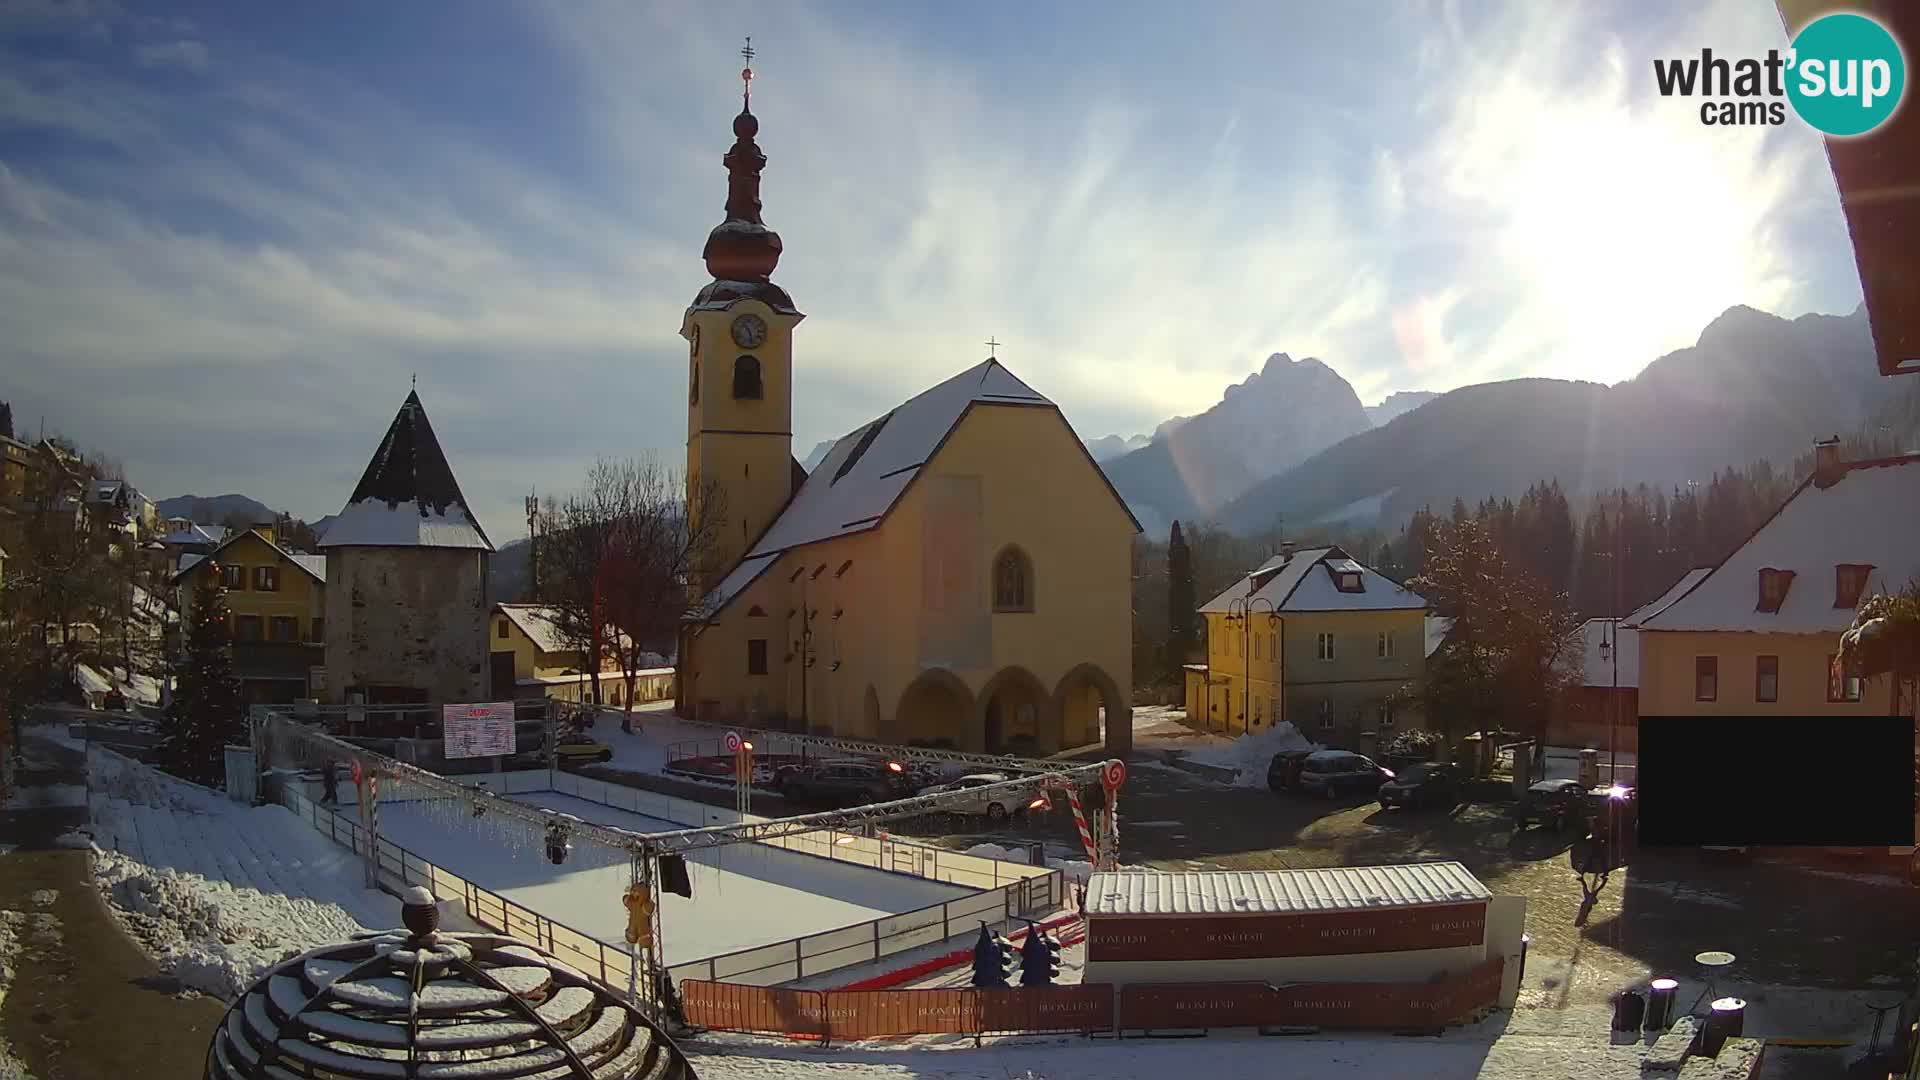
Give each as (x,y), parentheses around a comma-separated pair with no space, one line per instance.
(532,657)
(955,572)
(276,604)
(1757,633)
(1315,639)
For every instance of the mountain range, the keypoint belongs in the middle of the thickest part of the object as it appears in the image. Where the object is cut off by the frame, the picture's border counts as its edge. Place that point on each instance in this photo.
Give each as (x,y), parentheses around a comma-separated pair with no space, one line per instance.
(1753,386)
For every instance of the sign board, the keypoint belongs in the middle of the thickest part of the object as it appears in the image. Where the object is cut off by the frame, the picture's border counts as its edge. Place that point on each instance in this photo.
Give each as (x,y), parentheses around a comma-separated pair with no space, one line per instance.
(482,730)
(316,681)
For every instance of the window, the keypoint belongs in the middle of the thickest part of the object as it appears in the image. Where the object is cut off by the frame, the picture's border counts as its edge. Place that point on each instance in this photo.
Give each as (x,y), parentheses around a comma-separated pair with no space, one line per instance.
(233,576)
(757,656)
(1384,647)
(693,384)
(1842,687)
(1273,708)
(1350,583)
(1273,645)
(319,630)
(1326,714)
(1766,678)
(1773,589)
(266,579)
(246,628)
(1012,581)
(284,628)
(1706,678)
(1256,647)
(1849,581)
(1324,642)
(746,379)
(1386,714)
(1256,712)
(500,631)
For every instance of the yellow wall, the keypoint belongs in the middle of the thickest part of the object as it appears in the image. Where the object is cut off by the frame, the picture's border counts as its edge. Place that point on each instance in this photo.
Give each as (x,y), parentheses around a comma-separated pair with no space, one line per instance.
(1241,659)
(1039,491)
(299,595)
(1667,669)
(746,446)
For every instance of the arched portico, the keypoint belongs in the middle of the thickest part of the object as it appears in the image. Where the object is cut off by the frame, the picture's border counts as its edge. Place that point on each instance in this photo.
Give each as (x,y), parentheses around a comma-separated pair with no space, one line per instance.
(1015,715)
(1092,708)
(936,706)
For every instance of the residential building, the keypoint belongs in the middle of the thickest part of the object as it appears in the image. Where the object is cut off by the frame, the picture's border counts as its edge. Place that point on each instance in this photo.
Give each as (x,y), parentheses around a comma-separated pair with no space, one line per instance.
(1315,639)
(956,571)
(407,561)
(1602,711)
(181,536)
(16,463)
(119,503)
(532,658)
(276,611)
(1758,633)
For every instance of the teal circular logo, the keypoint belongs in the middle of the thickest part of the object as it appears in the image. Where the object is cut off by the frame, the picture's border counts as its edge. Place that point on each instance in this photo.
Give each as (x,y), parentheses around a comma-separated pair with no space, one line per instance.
(1847,74)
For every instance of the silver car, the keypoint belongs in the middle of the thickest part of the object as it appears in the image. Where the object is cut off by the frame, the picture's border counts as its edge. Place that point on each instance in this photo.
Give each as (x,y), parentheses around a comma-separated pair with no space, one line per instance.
(997,804)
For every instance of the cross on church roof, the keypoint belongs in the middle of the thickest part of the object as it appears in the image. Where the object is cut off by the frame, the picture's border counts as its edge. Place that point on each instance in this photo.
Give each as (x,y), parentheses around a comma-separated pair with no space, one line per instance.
(746,73)
(993,348)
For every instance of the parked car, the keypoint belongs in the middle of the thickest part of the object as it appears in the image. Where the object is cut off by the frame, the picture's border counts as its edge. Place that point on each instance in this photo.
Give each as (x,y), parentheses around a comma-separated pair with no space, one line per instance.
(845,784)
(1425,784)
(1283,771)
(1615,812)
(579,749)
(1559,803)
(1341,773)
(997,805)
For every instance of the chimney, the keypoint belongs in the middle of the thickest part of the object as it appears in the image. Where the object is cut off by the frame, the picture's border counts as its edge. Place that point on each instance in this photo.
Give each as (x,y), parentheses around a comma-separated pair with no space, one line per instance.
(1286,550)
(1827,467)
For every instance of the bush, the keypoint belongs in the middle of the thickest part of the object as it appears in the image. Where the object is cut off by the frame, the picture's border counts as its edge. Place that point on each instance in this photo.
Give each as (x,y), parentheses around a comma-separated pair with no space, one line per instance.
(1416,745)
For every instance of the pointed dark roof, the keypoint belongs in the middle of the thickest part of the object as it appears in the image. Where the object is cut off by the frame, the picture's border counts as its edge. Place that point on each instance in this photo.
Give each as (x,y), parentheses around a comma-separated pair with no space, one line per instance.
(408,496)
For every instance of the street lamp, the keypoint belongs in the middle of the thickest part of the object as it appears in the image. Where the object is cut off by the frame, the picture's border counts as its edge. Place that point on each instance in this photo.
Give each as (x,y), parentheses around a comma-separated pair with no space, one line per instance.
(1241,609)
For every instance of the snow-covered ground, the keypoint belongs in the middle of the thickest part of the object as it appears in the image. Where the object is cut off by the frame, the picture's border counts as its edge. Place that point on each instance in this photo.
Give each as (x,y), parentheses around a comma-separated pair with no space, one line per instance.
(744,895)
(1249,755)
(216,891)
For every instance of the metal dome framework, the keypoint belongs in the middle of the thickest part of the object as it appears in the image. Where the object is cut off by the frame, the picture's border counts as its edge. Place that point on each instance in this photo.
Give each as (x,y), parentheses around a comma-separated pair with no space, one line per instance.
(406,1005)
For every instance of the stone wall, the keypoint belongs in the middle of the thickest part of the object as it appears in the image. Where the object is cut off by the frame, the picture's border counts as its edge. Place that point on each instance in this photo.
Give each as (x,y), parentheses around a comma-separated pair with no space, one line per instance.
(407,617)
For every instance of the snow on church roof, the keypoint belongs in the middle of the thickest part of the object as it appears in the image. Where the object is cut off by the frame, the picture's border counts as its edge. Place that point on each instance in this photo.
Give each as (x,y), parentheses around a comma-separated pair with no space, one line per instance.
(860,479)
(1869,516)
(408,496)
(1289,584)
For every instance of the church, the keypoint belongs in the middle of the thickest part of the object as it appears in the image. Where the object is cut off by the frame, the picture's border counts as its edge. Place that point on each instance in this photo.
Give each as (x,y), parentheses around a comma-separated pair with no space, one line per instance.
(954,573)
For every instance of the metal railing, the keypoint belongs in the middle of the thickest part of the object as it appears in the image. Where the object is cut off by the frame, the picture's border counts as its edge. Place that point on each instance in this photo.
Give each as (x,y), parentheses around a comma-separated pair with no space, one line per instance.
(1009,892)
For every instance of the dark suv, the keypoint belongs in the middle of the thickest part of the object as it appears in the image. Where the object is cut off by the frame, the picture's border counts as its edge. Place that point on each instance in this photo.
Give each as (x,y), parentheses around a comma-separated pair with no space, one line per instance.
(844,784)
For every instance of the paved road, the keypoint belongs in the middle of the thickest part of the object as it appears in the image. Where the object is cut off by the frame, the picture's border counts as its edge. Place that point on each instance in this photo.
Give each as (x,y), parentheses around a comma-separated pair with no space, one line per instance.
(47,796)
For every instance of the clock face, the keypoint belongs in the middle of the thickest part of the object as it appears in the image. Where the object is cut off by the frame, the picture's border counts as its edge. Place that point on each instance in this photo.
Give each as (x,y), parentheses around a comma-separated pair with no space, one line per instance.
(749,331)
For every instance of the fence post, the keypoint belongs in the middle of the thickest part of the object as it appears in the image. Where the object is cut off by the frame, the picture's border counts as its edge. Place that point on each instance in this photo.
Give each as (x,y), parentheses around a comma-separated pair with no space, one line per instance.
(799,962)
(876,940)
(946,923)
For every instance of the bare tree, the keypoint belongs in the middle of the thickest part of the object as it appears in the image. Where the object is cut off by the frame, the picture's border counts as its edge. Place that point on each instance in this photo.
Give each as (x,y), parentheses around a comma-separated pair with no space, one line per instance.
(620,557)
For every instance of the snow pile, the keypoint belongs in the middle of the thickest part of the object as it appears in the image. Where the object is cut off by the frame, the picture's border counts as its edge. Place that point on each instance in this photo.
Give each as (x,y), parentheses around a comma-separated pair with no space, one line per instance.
(215,891)
(21,933)
(1249,755)
(215,937)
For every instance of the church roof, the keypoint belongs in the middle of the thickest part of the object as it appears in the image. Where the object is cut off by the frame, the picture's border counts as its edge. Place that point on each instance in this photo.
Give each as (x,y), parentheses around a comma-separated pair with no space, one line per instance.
(861,479)
(408,496)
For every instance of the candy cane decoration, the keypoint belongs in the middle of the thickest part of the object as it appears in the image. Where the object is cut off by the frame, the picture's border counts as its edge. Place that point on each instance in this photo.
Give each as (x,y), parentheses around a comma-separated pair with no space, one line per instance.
(1080,822)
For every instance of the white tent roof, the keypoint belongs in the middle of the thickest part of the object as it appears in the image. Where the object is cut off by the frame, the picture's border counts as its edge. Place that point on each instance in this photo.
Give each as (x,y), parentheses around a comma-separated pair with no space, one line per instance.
(1869,516)
(1304,582)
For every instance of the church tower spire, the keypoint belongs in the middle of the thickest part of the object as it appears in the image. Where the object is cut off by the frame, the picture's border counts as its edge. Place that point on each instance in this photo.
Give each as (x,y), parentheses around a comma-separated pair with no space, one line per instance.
(742,248)
(739,330)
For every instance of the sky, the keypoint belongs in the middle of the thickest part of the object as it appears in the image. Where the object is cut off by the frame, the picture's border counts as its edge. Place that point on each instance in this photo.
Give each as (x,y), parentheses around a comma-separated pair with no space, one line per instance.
(232,234)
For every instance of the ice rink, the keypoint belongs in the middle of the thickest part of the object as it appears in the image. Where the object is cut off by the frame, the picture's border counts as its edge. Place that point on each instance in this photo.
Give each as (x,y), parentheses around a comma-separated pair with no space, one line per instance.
(744,895)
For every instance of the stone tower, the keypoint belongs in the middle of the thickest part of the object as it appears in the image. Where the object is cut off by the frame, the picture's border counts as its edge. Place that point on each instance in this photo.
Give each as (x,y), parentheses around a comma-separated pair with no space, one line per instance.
(407,571)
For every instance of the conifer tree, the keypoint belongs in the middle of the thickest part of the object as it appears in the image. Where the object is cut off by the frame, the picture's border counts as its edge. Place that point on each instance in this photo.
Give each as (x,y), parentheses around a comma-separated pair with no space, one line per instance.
(206,715)
(1180,600)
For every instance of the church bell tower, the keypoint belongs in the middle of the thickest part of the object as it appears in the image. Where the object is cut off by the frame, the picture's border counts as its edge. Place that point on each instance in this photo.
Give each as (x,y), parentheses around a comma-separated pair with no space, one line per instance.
(739,331)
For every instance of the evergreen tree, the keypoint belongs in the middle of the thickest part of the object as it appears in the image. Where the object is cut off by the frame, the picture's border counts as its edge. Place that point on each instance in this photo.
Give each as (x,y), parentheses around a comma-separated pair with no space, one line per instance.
(1180,600)
(206,715)
(1558,544)
(6,420)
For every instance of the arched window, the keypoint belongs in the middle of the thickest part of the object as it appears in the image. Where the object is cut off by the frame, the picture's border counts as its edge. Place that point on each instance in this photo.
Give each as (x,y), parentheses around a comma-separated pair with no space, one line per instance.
(746,378)
(1012,580)
(693,385)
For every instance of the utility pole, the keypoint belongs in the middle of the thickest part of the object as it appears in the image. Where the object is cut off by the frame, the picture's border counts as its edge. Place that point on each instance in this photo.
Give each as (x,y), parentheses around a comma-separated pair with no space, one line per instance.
(532,504)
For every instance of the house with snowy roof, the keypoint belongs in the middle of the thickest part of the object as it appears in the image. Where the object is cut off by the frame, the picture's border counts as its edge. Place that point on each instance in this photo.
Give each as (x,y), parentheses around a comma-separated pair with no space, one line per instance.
(1314,638)
(1758,633)
(276,611)
(406,567)
(535,656)
(956,571)
(1602,710)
